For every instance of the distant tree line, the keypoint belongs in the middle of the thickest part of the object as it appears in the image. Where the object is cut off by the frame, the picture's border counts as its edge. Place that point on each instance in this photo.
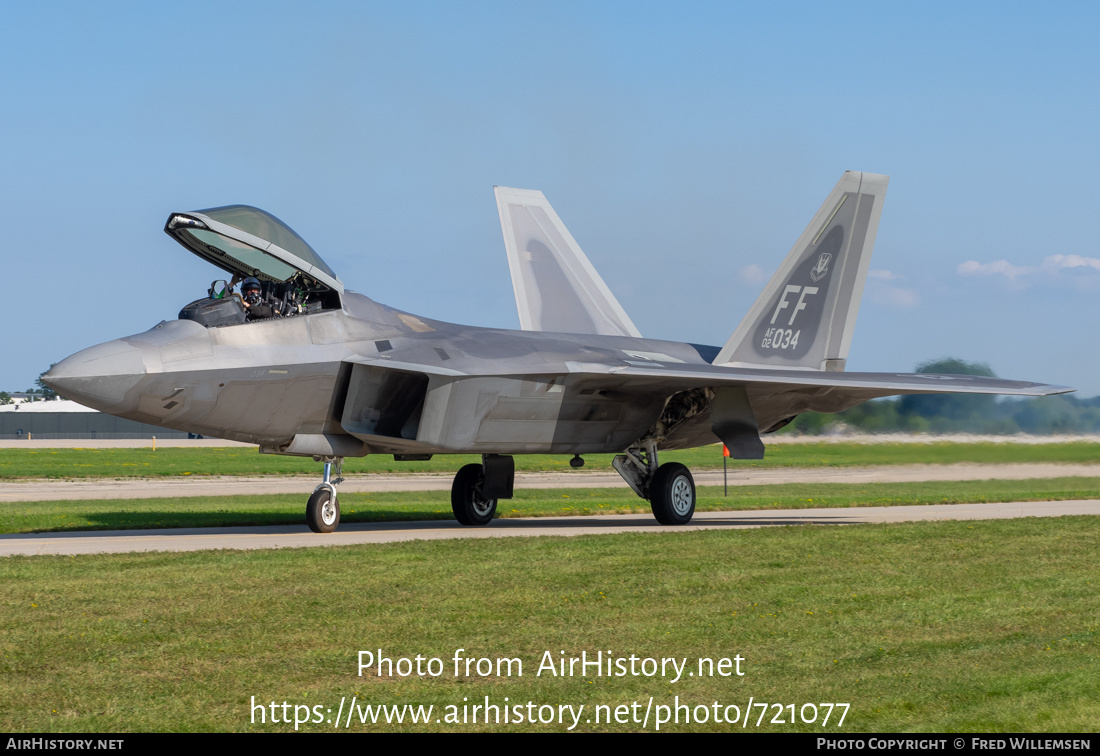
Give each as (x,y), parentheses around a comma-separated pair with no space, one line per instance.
(958,413)
(39,391)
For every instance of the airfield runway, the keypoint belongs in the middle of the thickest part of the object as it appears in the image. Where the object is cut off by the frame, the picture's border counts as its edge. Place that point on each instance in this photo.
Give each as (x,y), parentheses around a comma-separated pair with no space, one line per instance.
(298,536)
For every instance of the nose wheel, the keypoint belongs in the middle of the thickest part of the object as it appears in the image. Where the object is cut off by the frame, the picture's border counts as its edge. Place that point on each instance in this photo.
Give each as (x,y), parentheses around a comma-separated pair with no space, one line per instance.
(323,508)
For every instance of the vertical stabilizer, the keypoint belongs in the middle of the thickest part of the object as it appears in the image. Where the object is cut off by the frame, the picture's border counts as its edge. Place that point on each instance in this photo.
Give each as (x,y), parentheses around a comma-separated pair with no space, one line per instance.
(556,287)
(805,316)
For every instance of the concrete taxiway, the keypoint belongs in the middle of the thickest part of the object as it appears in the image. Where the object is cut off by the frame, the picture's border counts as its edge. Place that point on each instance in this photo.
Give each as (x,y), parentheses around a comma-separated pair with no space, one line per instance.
(298,536)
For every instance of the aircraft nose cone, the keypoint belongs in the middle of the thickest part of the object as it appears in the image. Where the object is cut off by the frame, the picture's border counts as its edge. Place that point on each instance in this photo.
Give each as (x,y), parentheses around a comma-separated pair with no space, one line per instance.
(98,377)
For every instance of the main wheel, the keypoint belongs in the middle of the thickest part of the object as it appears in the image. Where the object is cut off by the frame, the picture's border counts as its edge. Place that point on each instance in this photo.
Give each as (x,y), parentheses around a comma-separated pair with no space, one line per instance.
(467,502)
(323,511)
(672,494)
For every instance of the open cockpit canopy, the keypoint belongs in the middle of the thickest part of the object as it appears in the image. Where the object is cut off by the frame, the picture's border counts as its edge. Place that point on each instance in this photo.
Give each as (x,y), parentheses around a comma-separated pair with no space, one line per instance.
(249,243)
(246,241)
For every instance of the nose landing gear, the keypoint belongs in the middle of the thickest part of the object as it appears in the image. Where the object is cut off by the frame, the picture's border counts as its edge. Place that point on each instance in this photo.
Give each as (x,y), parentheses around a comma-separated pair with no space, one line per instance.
(323,508)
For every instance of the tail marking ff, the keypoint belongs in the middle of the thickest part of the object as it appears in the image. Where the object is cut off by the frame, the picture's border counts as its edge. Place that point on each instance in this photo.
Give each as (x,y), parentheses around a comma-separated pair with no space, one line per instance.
(805,316)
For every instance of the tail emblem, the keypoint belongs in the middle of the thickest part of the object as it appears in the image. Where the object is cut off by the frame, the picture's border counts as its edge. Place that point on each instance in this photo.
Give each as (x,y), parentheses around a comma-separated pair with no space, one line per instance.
(820,270)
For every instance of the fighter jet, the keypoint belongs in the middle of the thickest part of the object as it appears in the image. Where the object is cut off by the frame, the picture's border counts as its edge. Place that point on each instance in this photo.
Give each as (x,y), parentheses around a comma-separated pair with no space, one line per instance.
(299,365)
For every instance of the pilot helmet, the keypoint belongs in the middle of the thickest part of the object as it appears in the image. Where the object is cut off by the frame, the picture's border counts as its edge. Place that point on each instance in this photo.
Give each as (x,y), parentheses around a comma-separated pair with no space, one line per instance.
(250,288)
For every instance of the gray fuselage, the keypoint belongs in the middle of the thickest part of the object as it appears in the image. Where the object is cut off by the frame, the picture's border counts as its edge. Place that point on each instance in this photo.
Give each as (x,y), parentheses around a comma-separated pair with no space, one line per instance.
(371,379)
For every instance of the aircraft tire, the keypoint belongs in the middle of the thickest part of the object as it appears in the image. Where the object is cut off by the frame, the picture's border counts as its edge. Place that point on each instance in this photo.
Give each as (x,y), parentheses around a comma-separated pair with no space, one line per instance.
(323,511)
(672,494)
(469,506)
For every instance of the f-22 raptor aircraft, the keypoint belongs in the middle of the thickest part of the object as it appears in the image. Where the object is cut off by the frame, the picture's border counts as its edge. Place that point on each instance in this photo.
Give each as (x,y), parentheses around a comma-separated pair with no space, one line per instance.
(320,371)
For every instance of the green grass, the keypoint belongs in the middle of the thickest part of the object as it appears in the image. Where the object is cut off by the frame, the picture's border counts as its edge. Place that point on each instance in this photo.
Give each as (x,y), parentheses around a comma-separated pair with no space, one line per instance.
(124,463)
(929,627)
(106,514)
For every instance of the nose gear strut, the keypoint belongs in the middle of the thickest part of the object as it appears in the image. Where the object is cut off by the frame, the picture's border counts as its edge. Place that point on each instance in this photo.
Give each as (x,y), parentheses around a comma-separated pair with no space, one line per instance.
(323,508)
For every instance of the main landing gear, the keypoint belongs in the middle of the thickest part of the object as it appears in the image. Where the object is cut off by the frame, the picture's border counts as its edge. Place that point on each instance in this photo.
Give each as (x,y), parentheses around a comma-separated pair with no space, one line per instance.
(476,489)
(669,488)
(323,508)
(468,500)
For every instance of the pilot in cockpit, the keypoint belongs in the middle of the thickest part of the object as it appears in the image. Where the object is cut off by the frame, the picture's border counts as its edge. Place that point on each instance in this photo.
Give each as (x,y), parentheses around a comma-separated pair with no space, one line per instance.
(252,296)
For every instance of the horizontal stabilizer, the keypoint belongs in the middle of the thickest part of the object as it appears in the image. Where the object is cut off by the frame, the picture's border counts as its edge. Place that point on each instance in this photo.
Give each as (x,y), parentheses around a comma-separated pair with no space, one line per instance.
(556,287)
(805,316)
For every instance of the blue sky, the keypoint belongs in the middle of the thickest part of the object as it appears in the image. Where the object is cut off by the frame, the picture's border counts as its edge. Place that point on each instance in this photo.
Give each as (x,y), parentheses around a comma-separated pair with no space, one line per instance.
(685,145)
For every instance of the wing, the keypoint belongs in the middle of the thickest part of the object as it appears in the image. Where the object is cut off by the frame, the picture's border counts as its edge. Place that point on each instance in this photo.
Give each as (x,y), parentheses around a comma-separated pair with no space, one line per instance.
(858,386)
(522,406)
(556,287)
(741,403)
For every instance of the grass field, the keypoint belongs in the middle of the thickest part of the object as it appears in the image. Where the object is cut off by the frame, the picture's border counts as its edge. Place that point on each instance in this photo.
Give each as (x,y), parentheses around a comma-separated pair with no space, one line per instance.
(287,509)
(124,463)
(988,626)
